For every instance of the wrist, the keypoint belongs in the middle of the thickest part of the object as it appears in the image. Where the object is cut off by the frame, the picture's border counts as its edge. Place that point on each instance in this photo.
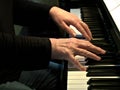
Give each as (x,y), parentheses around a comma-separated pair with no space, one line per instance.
(53,47)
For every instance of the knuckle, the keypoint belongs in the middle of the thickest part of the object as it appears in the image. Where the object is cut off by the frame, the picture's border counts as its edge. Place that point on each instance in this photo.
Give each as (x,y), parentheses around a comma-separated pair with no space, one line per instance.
(88,45)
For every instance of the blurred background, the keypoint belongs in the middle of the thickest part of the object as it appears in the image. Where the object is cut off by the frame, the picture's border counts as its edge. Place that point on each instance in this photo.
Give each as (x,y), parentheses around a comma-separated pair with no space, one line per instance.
(18,28)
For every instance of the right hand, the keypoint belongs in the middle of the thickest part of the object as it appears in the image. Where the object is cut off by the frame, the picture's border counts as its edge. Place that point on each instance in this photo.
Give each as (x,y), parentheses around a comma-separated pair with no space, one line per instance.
(68,48)
(64,19)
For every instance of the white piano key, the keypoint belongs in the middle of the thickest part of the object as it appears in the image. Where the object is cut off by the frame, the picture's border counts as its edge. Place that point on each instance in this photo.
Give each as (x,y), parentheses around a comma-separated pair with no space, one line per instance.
(80,58)
(81,88)
(83,75)
(77,80)
(76,11)
(77,73)
(74,87)
(76,31)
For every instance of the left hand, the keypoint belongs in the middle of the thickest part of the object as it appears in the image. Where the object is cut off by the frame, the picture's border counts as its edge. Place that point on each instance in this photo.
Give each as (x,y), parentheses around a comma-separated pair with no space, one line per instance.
(64,19)
(68,48)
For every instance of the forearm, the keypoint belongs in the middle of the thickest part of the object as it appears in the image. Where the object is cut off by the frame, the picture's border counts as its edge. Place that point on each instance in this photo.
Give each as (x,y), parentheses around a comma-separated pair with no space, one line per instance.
(30,13)
(24,51)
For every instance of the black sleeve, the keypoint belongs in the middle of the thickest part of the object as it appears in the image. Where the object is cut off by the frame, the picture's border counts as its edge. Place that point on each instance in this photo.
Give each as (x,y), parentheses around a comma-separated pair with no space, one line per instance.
(27,13)
(25,52)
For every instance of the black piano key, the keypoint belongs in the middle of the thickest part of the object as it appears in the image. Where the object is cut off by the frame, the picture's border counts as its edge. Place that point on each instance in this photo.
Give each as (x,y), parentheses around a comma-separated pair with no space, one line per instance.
(89,10)
(108,58)
(104,44)
(92,9)
(99,35)
(104,81)
(101,40)
(101,44)
(102,62)
(86,14)
(106,70)
(93,23)
(97,32)
(98,42)
(95,29)
(88,19)
(102,74)
(110,53)
(103,70)
(107,48)
(116,67)
(91,87)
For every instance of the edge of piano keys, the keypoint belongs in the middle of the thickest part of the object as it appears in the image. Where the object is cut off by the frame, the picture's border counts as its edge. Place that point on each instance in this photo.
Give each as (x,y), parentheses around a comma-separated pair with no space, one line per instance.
(77,80)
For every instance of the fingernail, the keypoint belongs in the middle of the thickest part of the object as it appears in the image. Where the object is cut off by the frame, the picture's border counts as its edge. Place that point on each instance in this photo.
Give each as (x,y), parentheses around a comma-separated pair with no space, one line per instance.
(103,52)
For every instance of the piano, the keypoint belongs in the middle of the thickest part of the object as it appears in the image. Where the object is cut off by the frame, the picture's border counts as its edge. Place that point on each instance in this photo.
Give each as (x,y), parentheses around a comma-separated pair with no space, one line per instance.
(103,19)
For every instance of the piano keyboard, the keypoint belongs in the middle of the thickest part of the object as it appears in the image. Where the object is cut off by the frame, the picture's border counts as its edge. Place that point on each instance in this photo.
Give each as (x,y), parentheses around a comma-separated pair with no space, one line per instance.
(100,75)
(79,80)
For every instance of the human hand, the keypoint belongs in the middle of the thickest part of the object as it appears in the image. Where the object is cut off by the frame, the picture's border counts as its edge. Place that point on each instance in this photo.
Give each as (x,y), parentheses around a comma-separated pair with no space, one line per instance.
(67,49)
(64,19)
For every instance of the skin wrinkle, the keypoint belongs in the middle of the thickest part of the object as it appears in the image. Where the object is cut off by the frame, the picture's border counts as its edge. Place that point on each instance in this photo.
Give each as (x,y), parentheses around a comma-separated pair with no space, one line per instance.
(86,28)
(72,46)
(68,20)
(82,51)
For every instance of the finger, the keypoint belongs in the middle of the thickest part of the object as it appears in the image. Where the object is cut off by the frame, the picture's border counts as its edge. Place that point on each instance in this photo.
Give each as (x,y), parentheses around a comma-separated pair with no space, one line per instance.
(85,26)
(92,48)
(96,49)
(83,31)
(77,64)
(88,54)
(68,29)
